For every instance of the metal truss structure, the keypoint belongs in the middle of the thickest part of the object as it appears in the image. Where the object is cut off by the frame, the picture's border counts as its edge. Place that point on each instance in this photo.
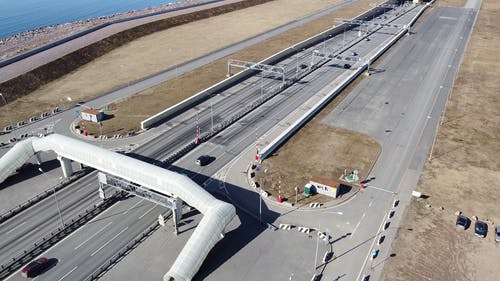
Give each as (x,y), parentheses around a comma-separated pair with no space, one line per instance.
(256,66)
(174,204)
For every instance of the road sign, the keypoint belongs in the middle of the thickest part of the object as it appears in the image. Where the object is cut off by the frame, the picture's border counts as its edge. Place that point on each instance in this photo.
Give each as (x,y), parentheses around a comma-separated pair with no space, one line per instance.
(101,193)
(161,220)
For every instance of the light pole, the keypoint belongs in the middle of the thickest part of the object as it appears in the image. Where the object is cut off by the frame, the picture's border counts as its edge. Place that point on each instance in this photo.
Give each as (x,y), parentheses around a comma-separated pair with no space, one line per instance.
(212,116)
(55,198)
(296,195)
(316,256)
(8,111)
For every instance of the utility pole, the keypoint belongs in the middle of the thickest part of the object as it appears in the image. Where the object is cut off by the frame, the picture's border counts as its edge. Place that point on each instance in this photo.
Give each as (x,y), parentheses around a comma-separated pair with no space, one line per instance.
(55,197)
(8,111)
(212,116)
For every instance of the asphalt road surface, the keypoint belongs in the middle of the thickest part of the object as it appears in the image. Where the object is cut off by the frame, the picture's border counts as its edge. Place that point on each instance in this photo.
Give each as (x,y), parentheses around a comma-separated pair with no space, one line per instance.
(414,79)
(232,141)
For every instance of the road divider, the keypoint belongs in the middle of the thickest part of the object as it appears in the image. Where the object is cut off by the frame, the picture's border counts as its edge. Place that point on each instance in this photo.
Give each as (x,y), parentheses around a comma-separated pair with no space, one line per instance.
(242,75)
(55,236)
(285,226)
(344,80)
(39,197)
(303,229)
(107,265)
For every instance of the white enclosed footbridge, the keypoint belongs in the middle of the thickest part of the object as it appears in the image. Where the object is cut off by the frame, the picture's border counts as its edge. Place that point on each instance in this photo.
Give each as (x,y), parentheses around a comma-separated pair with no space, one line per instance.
(216,214)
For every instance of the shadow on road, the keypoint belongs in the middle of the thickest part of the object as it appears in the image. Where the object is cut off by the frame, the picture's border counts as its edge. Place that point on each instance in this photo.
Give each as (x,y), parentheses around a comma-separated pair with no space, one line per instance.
(246,203)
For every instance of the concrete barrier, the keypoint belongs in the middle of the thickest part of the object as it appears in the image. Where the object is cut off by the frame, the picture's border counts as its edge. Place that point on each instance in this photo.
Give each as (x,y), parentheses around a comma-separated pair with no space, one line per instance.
(303,229)
(273,59)
(285,226)
(315,205)
(273,145)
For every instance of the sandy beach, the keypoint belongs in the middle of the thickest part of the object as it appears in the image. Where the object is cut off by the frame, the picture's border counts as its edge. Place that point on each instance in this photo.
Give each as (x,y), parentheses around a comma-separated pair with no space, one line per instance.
(32,39)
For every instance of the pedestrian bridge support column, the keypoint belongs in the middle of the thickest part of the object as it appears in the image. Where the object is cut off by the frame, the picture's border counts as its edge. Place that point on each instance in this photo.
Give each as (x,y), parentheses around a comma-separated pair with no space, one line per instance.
(66,166)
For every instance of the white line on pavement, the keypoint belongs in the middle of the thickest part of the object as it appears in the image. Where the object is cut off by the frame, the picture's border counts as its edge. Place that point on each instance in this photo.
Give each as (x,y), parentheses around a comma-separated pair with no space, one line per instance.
(19,225)
(381,189)
(147,212)
(109,241)
(93,235)
(68,273)
(133,206)
(357,225)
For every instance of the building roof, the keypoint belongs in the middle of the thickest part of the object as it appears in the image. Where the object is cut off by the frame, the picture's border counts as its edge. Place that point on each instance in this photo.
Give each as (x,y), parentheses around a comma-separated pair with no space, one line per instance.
(328,182)
(91,111)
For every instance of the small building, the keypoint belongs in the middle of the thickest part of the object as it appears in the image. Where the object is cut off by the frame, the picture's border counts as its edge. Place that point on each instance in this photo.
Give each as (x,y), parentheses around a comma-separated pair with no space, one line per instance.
(92,115)
(325,186)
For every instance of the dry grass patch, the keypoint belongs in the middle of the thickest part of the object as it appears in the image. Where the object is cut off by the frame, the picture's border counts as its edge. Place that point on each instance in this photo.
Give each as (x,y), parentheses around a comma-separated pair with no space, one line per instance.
(150,54)
(157,98)
(316,150)
(462,175)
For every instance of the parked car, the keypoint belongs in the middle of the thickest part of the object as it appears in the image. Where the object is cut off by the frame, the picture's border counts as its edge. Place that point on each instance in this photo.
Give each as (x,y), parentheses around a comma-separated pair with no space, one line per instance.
(203,160)
(374,254)
(463,222)
(33,119)
(480,229)
(35,267)
(497,233)
(8,128)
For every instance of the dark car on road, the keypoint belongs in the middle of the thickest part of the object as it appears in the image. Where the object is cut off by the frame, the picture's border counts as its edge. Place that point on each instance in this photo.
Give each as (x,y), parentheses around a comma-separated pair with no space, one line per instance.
(480,229)
(463,222)
(203,160)
(35,267)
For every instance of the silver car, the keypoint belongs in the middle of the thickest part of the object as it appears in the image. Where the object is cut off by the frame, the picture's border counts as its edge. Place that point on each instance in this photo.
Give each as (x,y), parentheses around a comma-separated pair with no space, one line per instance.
(497,233)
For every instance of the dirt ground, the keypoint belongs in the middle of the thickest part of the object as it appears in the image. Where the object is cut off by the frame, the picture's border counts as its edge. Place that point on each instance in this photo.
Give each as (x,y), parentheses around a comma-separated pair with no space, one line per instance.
(153,53)
(463,174)
(316,150)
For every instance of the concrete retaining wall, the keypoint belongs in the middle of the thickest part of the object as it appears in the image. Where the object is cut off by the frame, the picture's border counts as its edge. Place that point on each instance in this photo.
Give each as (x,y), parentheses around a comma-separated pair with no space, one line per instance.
(231,81)
(271,147)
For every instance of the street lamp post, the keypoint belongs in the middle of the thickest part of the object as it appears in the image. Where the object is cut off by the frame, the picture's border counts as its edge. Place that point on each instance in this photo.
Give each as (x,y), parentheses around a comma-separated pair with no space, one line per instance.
(55,198)
(8,111)
(212,116)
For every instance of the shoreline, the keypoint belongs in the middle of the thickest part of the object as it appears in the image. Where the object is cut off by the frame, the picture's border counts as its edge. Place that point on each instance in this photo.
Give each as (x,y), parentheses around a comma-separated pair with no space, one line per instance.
(31,39)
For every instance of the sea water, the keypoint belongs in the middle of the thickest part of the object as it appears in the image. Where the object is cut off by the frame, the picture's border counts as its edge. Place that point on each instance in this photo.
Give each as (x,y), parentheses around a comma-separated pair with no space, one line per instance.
(17,16)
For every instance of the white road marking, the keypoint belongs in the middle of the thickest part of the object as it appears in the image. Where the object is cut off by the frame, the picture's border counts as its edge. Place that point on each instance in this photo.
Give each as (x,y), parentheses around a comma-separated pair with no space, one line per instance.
(133,206)
(109,241)
(93,235)
(357,225)
(381,189)
(147,212)
(19,225)
(369,205)
(69,272)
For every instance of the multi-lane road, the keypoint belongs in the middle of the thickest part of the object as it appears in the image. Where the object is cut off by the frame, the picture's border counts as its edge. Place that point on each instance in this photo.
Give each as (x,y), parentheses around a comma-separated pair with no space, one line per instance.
(83,251)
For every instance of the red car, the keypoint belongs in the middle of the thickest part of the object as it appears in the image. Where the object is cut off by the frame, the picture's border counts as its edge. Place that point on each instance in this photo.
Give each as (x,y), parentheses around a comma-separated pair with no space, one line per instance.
(35,267)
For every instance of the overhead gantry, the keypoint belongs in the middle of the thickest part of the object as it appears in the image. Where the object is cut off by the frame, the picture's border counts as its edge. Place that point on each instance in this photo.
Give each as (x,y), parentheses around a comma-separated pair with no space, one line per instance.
(216,214)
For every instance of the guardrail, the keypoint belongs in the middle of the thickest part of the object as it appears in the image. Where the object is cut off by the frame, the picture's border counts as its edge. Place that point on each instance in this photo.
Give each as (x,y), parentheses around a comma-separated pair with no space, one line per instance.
(273,145)
(48,241)
(106,266)
(39,197)
(230,81)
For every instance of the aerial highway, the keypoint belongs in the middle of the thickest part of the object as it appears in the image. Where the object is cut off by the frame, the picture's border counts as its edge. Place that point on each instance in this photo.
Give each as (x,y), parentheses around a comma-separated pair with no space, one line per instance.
(131,214)
(356,226)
